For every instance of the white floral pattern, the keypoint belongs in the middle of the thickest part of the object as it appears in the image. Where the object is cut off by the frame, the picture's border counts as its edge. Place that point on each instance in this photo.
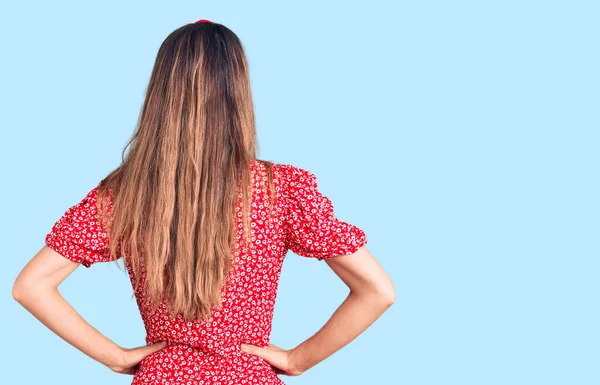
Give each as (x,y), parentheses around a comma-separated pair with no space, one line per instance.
(209,352)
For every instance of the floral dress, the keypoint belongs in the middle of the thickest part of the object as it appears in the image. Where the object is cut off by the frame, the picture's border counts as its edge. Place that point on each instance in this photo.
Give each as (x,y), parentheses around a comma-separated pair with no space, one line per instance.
(208,353)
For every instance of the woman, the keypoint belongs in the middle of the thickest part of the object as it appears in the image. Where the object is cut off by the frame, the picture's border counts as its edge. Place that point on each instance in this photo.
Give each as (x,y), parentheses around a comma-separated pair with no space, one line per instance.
(203,227)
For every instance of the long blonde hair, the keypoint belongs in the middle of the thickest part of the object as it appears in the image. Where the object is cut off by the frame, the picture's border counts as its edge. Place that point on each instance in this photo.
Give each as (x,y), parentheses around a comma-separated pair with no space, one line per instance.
(173,198)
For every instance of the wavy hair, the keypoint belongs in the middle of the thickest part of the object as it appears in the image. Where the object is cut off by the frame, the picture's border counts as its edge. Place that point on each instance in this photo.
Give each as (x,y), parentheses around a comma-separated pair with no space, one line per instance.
(171,207)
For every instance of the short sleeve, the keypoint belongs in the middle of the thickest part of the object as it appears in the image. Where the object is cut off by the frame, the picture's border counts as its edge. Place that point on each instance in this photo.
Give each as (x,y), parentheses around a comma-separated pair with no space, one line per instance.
(312,228)
(79,235)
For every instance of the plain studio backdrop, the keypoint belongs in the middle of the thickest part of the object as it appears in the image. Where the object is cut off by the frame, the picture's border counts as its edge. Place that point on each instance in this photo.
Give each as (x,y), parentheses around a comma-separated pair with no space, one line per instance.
(462,136)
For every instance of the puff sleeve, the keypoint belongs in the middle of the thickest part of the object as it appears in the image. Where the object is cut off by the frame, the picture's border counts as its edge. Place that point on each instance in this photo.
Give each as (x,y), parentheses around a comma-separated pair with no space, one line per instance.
(79,235)
(312,229)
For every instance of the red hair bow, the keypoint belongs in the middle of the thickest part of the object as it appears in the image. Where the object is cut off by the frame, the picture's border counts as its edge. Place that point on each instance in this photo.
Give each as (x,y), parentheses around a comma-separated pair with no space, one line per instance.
(203,20)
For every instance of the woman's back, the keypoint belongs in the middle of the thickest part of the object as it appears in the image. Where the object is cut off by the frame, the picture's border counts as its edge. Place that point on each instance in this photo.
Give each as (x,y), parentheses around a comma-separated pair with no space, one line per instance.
(203,227)
(303,221)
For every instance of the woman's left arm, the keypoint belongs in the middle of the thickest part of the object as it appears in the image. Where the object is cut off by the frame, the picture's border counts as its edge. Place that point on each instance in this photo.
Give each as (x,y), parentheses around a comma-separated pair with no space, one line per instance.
(36,289)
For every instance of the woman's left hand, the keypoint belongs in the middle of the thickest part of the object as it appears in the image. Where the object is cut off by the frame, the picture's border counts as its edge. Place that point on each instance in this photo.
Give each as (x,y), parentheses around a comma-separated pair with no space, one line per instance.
(130,358)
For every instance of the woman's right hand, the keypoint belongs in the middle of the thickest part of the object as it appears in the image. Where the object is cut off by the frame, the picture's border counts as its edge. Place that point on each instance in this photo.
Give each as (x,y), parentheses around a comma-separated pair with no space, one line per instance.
(131,358)
(278,358)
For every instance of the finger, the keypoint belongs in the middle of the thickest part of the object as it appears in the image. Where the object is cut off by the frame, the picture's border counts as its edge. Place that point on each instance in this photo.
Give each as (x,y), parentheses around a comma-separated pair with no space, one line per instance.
(267,354)
(149,349)
(156,346)
(253,349)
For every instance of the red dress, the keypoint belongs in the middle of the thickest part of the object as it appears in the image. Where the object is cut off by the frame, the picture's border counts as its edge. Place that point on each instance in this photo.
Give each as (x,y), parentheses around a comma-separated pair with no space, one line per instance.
(209,352)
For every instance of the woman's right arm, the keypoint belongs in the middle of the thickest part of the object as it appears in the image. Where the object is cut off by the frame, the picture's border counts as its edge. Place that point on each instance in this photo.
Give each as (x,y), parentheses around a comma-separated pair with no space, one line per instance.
(314,231)
(371,294)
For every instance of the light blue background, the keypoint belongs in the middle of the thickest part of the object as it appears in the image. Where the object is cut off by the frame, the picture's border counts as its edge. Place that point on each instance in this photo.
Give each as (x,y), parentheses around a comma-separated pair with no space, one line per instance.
(461,136)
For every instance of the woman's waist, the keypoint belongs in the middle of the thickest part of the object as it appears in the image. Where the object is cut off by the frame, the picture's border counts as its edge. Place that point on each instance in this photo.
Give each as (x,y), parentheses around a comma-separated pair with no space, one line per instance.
(182,363)
(205,347)
(205,355)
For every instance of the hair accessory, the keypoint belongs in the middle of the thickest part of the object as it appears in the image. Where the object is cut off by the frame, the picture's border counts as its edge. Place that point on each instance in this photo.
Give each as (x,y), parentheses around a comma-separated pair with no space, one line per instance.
(203,21)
